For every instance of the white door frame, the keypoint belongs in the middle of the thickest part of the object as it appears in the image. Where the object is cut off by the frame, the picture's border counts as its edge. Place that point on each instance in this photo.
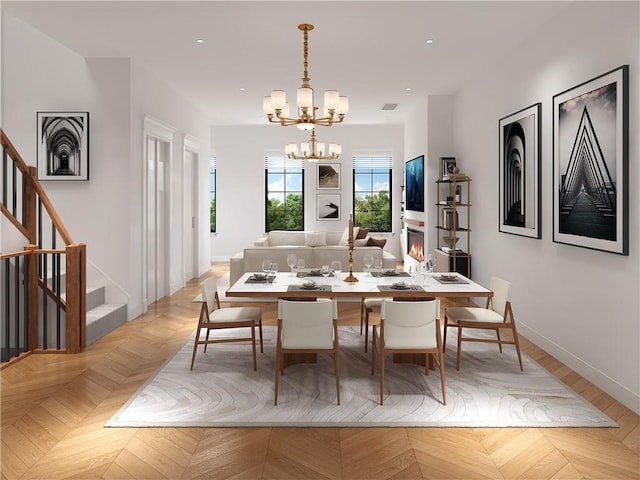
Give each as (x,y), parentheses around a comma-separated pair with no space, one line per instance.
(160,131)
(190,185)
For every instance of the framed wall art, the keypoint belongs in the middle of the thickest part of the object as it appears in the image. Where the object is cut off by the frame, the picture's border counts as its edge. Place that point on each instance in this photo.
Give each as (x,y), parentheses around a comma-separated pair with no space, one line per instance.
(328,176)
(519,167)
(63,145)
(414,184)
(447,166)
(328,206)
(591,164)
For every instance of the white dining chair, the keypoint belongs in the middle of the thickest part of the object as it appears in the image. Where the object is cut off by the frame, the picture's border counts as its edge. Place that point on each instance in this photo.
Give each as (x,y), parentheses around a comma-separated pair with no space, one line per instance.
(212,317)
(409,328)
(496,315)
(306,327)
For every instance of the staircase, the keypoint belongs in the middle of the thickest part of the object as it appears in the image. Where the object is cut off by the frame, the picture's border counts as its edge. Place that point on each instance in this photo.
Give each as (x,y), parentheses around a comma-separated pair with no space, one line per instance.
(102,317)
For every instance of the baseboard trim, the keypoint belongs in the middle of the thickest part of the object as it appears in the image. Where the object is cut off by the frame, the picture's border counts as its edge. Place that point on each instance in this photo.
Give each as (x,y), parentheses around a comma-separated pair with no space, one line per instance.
(605,383)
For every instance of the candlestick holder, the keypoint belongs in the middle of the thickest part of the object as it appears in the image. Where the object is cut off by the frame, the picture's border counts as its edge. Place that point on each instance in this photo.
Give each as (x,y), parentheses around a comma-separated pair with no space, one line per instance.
(350,278)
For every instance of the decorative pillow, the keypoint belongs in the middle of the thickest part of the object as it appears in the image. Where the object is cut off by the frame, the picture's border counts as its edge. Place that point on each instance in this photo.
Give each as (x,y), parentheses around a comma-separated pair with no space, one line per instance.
(360,242)
(344,240)
(376,242)
(362,233)
(315,239)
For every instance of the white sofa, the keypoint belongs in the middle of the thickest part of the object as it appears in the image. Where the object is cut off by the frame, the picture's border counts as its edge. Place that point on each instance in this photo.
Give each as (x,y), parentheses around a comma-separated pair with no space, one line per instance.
(316,248)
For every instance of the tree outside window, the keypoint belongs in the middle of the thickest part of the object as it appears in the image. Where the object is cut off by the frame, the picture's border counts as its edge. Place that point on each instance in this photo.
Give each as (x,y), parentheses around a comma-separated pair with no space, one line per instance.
(212,193)
(284,186)
(372,193)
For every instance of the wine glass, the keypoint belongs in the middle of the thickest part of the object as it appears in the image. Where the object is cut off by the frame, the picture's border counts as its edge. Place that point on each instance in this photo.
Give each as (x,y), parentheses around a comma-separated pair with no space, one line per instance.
(431,262)
(266,266)
(413,270)
(377,265)
(292,262)
(300,265)
(272,271)
(325,270)
(336,268)
(368,262)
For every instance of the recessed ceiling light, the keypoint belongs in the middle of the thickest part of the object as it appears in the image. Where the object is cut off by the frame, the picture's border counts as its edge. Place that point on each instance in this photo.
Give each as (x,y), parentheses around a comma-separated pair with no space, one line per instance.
(242,89)
(430,41)
(199,40)
(408,89)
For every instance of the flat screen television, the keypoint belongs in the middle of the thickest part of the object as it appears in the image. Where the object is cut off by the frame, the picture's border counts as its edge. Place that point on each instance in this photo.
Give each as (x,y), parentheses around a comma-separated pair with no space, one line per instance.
(414,184)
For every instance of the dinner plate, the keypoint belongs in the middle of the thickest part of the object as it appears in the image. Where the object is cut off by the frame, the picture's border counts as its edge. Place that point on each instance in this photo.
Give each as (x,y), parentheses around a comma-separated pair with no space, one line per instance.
(309,287)
(400,286)
(390,273)
(448,278)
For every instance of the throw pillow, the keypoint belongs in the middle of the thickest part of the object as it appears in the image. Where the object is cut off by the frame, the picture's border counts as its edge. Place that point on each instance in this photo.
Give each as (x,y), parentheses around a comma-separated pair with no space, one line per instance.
(315,239)
(362,233)
(376,242)
(344,240)
(360,242)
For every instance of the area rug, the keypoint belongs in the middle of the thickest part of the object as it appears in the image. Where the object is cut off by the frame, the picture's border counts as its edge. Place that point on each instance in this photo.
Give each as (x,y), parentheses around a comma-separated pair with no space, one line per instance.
(224,391)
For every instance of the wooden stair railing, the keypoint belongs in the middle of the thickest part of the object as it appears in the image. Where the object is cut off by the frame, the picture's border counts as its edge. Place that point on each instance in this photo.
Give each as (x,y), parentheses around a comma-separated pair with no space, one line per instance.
(23,201)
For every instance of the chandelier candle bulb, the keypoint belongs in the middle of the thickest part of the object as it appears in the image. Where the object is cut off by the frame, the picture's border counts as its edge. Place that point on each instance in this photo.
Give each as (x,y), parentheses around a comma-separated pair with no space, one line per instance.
(343,106)
(278,99)
(331,100)
(320,148)
(266,106)
(305,98)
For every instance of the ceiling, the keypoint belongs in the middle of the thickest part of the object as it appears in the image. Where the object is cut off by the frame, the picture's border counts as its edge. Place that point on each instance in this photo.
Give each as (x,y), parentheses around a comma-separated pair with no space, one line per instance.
(371,51)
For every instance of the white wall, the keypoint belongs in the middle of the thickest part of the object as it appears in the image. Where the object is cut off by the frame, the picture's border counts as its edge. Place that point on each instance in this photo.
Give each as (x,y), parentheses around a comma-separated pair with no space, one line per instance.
(105,213)
(582,306)
(241,184)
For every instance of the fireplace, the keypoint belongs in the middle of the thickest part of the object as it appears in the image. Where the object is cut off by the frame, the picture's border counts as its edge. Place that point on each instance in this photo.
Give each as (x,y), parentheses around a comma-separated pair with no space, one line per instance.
(415,244)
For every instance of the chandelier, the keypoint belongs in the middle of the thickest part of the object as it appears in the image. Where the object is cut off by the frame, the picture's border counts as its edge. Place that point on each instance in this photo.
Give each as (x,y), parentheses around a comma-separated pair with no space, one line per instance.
(313,151)
(277,110)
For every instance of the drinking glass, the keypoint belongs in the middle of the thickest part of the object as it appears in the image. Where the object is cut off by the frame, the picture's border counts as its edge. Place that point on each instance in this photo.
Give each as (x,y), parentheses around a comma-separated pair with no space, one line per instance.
(325,270)
(272,271)
(292,262)
(300,265)
(413,271)
(431,262)
(336,268)
(377,265)
(266,266)
(368,262)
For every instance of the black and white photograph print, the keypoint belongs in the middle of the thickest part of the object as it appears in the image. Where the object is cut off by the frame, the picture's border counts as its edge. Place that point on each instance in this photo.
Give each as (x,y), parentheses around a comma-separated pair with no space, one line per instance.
(519,166)
(328,175)
(591,162)
(63,145)
(328,206)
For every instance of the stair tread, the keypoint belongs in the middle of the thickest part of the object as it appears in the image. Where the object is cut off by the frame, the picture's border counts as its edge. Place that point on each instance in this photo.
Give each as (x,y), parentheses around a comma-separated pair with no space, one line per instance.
(101,310)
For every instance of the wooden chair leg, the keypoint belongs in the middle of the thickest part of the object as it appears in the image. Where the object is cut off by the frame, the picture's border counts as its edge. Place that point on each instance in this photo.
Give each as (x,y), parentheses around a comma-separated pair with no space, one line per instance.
(206,340)
(195,347)
(459,347)
(444,334)
(517,344)
(260,328)
(443,380)
(381,353)
(366,329)
(499,339)
(373,350)
(253,346)
(361,316)
(278,360)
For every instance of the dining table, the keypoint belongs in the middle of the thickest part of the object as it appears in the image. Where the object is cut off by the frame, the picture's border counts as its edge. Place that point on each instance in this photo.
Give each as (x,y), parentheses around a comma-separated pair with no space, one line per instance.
(309,283)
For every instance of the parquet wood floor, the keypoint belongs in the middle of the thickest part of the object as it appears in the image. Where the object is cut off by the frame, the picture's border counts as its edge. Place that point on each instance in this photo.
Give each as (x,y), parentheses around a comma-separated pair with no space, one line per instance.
(54,408)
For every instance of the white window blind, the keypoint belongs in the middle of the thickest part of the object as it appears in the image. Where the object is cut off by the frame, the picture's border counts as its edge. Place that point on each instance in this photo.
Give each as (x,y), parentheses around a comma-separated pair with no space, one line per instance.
(372,161)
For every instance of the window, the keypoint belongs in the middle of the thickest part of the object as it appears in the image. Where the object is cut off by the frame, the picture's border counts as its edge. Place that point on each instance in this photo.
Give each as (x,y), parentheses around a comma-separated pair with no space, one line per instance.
(372,192)
(212,193)
(284,187)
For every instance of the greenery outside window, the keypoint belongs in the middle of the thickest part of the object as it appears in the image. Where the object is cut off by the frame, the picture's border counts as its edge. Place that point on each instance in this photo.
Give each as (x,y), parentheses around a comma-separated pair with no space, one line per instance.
(212,193)
(372,192)
(284,187)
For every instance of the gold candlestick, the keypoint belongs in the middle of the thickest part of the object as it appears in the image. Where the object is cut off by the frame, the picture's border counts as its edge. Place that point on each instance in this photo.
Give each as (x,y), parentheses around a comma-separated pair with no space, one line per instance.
(350,278)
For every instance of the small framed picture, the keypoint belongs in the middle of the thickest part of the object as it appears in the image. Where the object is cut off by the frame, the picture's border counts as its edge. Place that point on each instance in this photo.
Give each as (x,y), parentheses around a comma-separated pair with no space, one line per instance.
(447,164)
(328,206)
(63,145)
(328,176)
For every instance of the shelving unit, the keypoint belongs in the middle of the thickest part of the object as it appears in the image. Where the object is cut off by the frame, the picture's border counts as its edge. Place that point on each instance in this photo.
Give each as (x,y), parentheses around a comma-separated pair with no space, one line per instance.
(454,220)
